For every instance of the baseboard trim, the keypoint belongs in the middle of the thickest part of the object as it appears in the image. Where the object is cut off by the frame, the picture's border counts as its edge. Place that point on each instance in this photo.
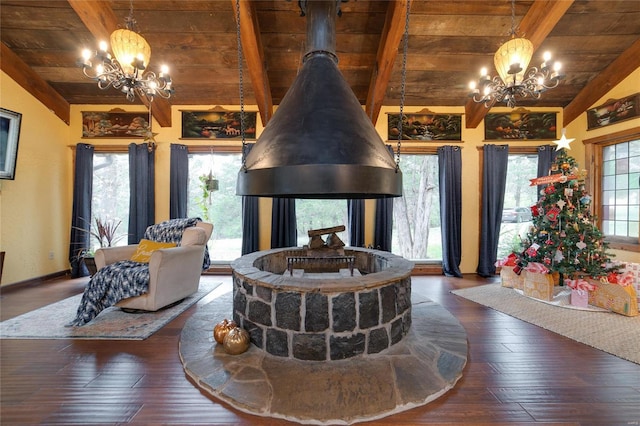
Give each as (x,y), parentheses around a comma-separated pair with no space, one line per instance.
(34,281)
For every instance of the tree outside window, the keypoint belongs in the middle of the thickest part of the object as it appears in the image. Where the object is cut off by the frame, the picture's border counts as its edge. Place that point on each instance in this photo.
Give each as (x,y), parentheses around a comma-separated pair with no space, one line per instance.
(416,215)
(221,207)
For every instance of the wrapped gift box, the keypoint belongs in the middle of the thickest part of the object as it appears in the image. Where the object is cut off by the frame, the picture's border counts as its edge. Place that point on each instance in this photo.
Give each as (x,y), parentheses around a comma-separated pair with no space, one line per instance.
(579,298)
(614,297)
(538,285)
(634,270)
(510,278)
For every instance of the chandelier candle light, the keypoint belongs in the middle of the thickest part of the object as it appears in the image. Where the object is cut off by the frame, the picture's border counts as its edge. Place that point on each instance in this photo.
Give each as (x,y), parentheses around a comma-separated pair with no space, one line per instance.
(125,69)
(511,60)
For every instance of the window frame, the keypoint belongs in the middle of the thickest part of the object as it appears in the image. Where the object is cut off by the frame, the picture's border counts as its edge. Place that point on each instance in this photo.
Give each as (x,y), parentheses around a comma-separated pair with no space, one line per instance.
(593,181)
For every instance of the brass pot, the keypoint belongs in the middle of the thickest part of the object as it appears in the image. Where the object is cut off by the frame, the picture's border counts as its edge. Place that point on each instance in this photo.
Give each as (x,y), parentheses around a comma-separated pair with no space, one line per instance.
(222,328)
(236,341)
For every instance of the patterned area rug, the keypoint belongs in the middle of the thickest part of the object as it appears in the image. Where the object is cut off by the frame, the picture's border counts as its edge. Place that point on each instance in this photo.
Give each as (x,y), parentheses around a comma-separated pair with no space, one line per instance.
(613,333)
(49,321)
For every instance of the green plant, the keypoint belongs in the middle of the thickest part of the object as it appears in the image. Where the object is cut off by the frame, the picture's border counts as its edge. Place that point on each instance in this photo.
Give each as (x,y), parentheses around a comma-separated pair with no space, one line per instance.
(104,231)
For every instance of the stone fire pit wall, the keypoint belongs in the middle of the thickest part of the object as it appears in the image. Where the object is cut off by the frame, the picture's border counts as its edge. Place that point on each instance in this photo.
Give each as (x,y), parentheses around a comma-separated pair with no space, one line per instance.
(322,319)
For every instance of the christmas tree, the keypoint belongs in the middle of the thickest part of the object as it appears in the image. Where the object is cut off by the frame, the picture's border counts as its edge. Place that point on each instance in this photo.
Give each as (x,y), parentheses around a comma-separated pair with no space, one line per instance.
(564,236)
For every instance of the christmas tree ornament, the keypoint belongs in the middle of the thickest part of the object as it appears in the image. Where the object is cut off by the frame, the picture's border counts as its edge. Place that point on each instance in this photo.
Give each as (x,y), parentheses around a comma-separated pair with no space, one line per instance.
(563,142)
(585,199)
(568,192)
(565,166)
(550,189)
(558,257)
(552,213)
(561,204)
(581,245)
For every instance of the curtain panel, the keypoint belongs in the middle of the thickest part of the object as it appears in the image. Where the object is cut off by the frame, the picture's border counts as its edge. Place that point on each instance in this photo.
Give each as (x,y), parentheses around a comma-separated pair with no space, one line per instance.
(81,210)
(283,223)
(178,181)
(142,199)
(494,181)
(450,182)
(355,228)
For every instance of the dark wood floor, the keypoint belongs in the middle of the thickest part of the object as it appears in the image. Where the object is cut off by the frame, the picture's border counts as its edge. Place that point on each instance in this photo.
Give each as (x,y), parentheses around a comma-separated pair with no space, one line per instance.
(517,374)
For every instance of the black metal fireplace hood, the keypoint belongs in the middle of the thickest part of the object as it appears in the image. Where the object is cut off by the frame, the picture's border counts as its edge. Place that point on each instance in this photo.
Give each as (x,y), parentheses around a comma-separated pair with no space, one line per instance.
(320,143)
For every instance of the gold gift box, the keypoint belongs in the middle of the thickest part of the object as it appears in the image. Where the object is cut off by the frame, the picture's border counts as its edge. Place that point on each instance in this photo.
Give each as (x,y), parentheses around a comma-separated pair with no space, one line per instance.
(511,279)
(538,285)
(614,297)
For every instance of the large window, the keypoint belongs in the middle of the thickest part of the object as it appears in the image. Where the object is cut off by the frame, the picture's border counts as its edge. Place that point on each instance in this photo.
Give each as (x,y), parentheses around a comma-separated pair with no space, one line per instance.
(416,215)
(518,199)
(110,196)
(222,207)
(613,179)
(621,190)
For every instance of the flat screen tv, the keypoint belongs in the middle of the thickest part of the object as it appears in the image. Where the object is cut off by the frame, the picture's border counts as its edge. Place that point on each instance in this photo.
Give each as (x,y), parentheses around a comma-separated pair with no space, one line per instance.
(9,136)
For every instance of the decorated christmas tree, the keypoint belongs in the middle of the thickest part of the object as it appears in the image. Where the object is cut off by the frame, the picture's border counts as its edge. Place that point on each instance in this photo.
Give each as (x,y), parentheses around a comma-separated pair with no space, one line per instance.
(564,236)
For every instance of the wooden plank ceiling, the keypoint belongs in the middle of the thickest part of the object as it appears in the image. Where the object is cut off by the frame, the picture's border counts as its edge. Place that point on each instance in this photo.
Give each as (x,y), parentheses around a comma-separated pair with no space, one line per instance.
(598,42)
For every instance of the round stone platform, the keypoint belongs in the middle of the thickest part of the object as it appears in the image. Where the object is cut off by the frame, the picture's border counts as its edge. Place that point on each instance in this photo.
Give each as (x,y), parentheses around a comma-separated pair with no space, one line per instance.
(420,368)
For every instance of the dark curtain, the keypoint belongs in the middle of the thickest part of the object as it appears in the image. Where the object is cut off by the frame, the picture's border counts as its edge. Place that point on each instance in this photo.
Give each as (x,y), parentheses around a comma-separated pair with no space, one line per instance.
(250,224)
(283,223)
(383,225)
(355,212)
(250,218)
(178,181)
(494,181)
(450,181)
(81,210)
(142,200)
(546,156)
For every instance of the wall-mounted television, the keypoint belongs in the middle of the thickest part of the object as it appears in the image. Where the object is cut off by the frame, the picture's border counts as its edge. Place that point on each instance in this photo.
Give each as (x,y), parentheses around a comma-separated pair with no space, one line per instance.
(9,137)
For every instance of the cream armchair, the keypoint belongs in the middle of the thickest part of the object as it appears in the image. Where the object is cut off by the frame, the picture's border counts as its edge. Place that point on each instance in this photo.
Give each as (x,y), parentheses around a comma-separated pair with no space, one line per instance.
(174,273)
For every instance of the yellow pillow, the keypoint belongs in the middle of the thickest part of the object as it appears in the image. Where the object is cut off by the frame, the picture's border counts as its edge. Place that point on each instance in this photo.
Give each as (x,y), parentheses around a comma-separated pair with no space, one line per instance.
(146,248)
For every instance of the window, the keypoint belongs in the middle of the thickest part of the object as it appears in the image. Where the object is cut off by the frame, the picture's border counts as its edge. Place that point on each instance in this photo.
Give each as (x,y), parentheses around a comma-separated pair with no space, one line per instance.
(613,179)
(110,196)
(620,180)
(416,215)
(518,199)
(317,214)
(222,207)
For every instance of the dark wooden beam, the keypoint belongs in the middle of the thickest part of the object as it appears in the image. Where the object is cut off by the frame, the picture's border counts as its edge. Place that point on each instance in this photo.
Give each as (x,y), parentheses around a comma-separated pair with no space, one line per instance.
(391,36)
(617,71)
(253,53)
(101,21)
(27,78)
(542,17)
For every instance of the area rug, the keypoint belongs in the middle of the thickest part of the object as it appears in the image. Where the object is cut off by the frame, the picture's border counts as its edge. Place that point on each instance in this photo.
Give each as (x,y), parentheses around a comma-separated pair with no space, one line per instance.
(613,333)
(49,321)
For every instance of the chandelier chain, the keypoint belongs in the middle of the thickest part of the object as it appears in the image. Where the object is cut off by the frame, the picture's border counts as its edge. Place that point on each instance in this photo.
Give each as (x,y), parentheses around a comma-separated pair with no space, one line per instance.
(241,82)
(403,83)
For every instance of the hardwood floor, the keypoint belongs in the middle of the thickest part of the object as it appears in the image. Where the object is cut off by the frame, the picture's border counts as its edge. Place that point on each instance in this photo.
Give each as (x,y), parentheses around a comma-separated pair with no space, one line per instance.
(517,374)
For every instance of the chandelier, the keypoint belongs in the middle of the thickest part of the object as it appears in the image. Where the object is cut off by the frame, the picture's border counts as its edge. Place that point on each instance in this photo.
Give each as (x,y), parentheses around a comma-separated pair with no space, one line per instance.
(125,70)
(512,82)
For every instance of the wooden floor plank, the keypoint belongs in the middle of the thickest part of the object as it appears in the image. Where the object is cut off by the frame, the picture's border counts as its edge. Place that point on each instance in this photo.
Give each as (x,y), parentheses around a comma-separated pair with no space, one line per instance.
(517,374)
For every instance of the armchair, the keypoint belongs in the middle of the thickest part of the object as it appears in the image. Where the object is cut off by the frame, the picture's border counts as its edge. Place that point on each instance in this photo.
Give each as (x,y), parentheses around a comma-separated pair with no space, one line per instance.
(174,273)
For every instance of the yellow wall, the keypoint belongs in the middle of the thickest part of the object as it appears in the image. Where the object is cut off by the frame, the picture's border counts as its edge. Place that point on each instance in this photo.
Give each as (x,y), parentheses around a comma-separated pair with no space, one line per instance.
(578,129)
(35,208)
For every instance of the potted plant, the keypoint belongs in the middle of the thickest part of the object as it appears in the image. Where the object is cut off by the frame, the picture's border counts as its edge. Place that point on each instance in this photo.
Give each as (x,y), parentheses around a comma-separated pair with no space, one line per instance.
(106,233)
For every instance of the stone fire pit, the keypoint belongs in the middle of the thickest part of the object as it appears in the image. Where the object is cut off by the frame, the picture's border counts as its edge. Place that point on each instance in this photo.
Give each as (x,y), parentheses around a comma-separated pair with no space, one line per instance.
(322,314)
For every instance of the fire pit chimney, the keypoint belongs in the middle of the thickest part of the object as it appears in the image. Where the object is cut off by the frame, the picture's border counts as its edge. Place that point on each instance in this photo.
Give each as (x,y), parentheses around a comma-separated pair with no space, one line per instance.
(320,143)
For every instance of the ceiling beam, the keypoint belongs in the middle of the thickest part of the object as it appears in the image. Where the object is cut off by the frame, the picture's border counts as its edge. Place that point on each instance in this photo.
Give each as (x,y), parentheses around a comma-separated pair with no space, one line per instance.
(27,78)
(390,38)
(253,54)
(617,71)
(101,21)
(541,18)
